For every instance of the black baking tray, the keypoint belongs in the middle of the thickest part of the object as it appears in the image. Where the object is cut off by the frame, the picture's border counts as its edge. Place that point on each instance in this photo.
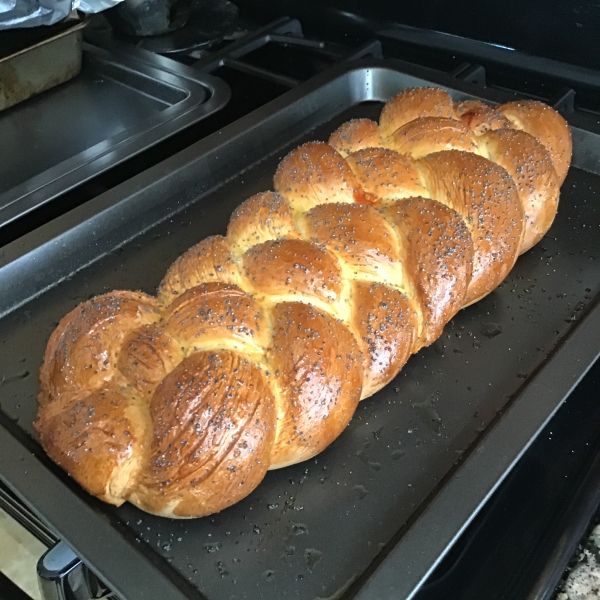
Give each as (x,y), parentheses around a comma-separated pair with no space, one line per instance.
(122,102)
(372,515)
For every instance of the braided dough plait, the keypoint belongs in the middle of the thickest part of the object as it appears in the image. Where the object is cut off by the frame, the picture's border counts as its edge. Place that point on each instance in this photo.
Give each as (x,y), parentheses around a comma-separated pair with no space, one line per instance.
(259,344)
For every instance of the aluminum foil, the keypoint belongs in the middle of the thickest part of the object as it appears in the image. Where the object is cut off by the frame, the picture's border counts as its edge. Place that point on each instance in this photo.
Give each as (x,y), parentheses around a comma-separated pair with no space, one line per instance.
(33,13)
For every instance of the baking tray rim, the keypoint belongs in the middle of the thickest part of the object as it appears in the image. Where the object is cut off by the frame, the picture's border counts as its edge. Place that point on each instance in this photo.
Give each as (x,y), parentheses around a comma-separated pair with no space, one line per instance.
(370,584)
(77,25)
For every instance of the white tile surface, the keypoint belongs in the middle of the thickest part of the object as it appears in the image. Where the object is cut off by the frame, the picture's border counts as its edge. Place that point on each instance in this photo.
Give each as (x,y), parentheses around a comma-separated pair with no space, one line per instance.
(19,553)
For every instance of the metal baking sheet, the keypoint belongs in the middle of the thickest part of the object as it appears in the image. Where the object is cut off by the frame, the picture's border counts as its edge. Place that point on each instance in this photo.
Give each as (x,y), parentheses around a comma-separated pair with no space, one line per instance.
(122,102)
(372,515)
(35,60)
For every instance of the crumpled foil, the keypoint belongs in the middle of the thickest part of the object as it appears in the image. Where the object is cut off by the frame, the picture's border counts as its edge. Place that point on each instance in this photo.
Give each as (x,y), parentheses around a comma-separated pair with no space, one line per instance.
(33,13)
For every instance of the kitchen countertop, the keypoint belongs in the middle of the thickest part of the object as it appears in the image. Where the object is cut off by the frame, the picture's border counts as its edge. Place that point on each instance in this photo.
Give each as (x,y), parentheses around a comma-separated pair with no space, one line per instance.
(583,580)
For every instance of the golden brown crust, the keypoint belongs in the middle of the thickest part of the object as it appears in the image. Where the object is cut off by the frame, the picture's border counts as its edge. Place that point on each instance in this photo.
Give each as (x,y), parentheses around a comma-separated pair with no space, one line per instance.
(480,117)
(546,126)
(214,424)
(100,439)
(319,368)
(485,195)
(313,174)
(293,267)
(413,104)
(147,355)
(214,314)
(261,218)
(210,260)
(355,135)
(260,344)
(385,325)
(437,257)
(358,235)
(82,351)
(385,174)
(433,134)
(530,166)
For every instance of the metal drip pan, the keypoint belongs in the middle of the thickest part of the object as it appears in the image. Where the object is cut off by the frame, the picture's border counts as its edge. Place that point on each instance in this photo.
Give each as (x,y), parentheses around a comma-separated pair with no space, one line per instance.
(122,102)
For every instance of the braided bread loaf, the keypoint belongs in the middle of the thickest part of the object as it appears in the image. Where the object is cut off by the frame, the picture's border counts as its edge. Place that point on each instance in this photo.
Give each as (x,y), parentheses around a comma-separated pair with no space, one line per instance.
(259,345)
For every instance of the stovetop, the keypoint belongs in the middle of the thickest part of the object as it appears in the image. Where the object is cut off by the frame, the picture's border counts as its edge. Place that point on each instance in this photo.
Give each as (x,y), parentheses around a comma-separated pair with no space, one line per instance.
(266,54)
(520,543)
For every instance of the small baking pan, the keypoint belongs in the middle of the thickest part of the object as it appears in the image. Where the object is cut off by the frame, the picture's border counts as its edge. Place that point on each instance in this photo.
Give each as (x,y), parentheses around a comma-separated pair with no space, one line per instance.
(37,59)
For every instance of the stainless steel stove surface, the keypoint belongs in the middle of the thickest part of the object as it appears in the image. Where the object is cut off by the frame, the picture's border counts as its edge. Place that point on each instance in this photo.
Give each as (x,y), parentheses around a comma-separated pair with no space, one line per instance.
(521,541)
